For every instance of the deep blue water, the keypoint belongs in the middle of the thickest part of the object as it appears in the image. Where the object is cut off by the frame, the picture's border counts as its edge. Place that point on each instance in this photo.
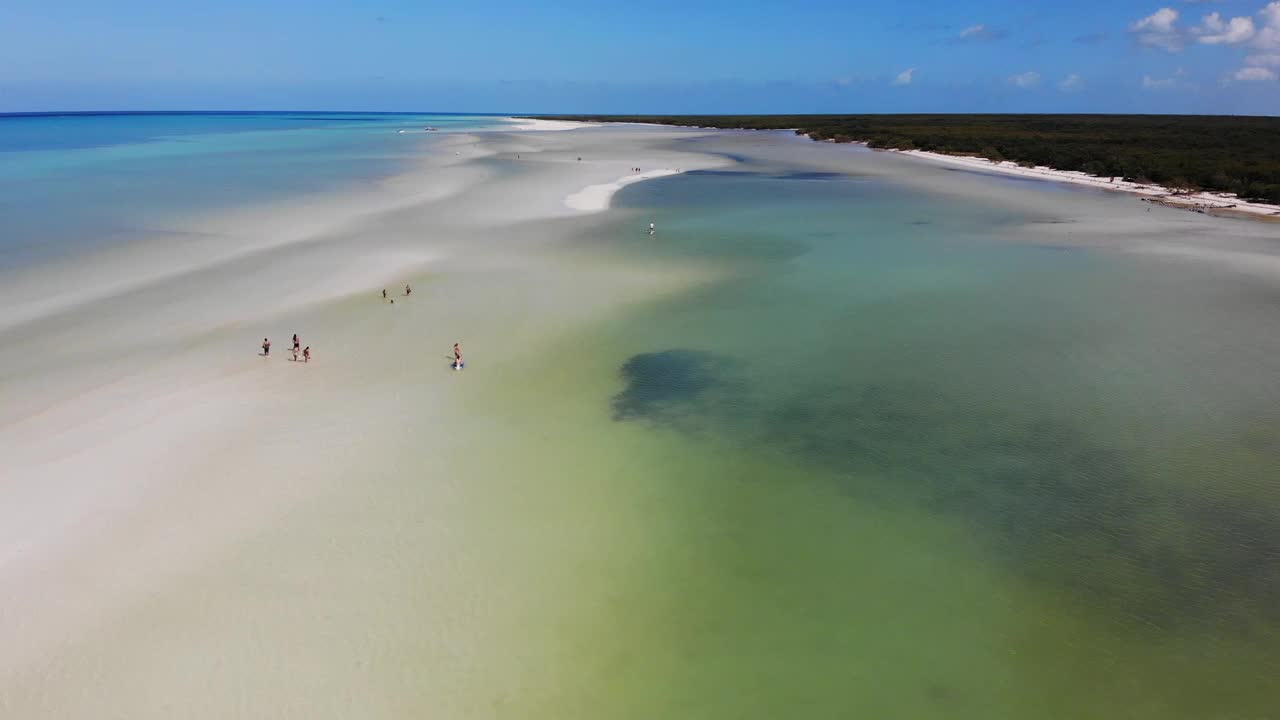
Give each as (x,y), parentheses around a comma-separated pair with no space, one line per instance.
(76,182)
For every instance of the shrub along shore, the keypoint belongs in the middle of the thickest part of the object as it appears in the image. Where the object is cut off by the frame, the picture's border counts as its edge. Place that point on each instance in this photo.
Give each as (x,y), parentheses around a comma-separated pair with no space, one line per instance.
(1231,154)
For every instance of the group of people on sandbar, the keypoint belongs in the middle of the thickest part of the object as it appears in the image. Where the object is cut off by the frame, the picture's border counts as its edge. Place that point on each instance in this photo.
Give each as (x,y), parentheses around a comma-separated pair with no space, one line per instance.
(407,292)
(306,352)
(297,349)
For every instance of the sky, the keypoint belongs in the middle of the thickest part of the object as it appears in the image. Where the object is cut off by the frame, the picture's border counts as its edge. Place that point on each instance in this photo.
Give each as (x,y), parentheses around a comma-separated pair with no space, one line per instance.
(647,56)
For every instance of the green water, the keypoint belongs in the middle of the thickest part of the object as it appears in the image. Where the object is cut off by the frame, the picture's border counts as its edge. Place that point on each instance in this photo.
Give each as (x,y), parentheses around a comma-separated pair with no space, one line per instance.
(903,460)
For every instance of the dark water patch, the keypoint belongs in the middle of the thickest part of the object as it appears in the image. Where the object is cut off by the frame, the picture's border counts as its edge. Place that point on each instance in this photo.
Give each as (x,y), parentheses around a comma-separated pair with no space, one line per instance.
(675,388)
(1058,505)
(722,173)
(942,695)
(810,175)
(763,175)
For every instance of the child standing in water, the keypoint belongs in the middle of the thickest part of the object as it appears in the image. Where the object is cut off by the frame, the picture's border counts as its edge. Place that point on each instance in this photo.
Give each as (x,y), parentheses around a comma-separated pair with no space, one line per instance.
(306,354)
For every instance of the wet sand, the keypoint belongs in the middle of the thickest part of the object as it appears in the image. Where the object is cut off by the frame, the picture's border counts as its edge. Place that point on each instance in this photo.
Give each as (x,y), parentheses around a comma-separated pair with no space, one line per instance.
(146,448)
(632,502)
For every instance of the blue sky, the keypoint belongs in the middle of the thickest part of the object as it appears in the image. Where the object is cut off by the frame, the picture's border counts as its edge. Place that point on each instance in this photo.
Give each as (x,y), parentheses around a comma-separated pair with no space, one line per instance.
(654,56)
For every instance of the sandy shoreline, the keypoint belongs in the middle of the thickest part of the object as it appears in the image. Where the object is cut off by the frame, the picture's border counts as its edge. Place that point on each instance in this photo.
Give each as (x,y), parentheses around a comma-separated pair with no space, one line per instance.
(595,198)
(189,528)
(538,125)
(1225,203)
(144,444)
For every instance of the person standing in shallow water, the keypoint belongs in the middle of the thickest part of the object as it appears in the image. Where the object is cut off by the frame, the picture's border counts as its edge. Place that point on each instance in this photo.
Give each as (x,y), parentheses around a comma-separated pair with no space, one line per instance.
(384,293)
(408,290)
(306,354)
(457,356)
(266,347)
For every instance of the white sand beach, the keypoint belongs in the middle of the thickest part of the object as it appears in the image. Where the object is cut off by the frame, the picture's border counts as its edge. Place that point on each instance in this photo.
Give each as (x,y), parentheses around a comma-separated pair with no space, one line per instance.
(1225,203)
(147,449)
(191,529)
(595,198)
(540,125)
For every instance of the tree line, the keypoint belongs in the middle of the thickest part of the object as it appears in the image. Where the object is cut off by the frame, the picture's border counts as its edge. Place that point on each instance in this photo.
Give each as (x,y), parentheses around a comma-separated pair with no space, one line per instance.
(1184,152)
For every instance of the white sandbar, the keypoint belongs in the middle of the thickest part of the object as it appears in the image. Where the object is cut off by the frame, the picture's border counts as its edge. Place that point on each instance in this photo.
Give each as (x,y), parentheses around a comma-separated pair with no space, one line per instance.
(595,198)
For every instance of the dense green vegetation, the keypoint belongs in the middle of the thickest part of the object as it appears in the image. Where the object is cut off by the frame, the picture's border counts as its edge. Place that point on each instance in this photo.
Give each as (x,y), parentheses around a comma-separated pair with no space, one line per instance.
(1233,154)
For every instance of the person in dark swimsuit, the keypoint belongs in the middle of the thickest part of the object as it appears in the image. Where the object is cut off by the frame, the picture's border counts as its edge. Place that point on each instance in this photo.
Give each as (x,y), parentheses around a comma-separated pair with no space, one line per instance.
(266,347)
(457,356)
(306,354)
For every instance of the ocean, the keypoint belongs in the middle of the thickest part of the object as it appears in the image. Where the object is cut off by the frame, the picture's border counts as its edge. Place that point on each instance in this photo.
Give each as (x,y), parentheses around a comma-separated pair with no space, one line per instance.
(850,435)
(86,181)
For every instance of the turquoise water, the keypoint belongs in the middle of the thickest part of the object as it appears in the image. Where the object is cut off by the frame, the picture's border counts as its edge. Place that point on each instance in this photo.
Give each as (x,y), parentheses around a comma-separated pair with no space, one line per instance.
(70,183)
(916,461)
(907,455)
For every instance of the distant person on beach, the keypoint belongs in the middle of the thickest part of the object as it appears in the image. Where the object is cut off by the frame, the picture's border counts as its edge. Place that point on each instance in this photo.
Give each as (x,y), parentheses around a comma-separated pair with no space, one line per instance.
(652,228)
(408,290)
(384,293)
(266,347)
(306,354)
(457,356)
(296,344)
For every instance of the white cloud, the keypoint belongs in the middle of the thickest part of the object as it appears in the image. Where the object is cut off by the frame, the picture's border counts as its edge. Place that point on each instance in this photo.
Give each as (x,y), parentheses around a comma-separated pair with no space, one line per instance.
(1026,80)
(1259,34)
(1254,73)
(1070,83)
(1213,31)
(1159,29)
(979,33)
(905,77)
(1268,38)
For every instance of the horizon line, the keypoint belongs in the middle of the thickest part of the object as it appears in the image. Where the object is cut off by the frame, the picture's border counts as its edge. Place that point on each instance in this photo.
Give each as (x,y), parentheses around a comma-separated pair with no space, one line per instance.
(91,113)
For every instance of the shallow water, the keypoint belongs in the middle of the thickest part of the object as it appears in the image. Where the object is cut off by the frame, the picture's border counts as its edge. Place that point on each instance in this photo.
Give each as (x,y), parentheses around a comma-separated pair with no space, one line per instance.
(916,458)
(888,451)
